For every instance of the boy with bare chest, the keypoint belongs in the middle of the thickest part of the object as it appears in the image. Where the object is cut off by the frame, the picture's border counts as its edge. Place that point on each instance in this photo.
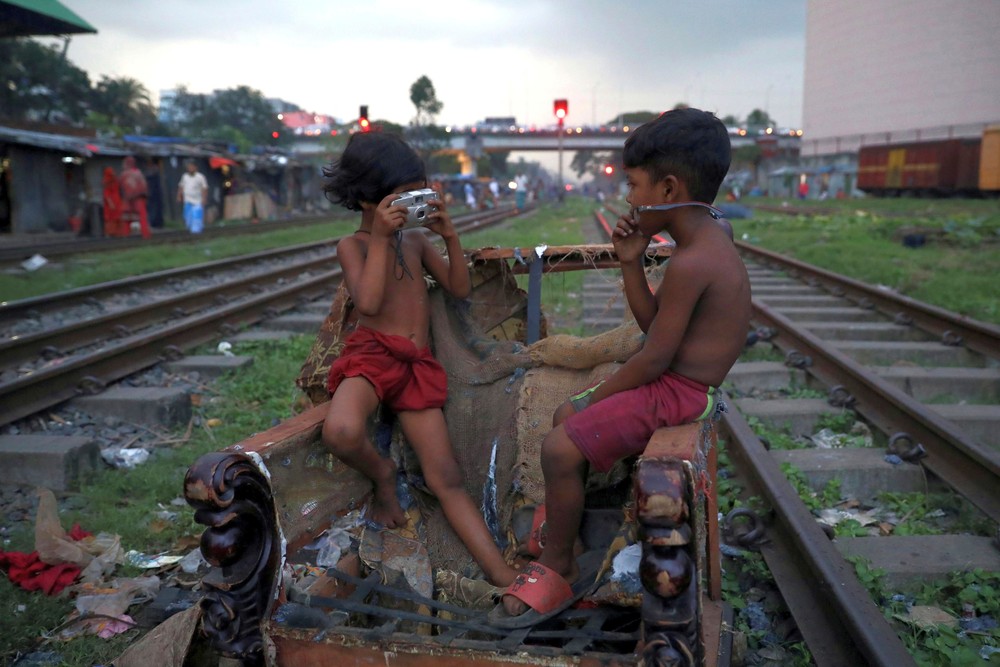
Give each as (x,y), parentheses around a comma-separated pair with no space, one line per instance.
(695,325)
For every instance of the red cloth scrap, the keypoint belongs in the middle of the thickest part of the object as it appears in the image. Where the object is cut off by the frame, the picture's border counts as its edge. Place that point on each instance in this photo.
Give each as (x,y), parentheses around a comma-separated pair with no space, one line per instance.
(31,574)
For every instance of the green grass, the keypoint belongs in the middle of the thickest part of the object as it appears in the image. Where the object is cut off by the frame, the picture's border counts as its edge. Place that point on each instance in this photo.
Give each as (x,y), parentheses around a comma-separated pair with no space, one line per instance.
(860,239)
(123,502)
(98,267)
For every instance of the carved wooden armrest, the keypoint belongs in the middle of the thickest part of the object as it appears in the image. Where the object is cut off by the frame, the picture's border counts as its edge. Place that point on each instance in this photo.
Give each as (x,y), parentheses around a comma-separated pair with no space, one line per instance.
(275,490)
(677,515)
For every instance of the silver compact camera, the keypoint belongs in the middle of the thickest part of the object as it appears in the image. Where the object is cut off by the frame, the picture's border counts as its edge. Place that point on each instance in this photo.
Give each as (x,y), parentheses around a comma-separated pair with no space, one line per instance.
(416,203)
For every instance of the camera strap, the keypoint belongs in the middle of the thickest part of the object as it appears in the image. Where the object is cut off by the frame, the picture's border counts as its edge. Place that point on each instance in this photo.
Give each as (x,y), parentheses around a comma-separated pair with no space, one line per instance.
(400,260)
(714,212)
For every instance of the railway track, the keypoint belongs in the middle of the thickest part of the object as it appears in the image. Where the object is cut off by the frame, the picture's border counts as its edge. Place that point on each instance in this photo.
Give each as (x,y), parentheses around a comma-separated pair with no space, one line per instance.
(64,247)
(110,338)
(923,380)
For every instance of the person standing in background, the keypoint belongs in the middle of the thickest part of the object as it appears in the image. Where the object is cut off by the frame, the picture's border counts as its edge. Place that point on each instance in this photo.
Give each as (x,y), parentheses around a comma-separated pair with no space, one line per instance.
(193,192)
(134,193)
(112,204)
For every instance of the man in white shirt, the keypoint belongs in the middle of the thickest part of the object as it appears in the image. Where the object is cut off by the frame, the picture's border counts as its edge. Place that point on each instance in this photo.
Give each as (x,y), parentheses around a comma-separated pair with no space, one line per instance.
(193,192)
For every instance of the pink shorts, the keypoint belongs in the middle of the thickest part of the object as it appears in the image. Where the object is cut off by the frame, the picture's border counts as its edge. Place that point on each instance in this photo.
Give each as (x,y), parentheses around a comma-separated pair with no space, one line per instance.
(404,377)
(621,424)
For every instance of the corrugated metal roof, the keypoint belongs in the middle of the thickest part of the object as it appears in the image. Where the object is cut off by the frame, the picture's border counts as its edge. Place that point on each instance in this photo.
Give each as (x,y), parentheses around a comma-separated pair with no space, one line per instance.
(86,147)
(22,18)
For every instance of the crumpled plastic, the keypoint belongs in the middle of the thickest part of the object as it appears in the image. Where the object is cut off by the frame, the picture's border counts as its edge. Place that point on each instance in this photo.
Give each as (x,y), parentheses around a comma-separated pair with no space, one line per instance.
(102,610)
(96,556)
(126,457)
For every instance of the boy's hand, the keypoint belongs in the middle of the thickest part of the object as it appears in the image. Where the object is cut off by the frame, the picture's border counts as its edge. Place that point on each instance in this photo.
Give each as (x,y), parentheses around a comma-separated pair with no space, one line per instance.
(440,220)
(629,241)
(388,218)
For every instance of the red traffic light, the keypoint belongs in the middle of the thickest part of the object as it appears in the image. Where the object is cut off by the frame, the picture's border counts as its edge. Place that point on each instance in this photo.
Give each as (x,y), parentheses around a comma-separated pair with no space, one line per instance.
(363,118)
(365,125)
(275,134)
(560,108)
(609,169)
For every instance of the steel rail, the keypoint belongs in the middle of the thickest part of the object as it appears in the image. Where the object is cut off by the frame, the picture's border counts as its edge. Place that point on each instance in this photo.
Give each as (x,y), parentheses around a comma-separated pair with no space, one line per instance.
(48,387)
(970,468)
(21,307)
(56,341)
(981,337)
(87,373)
(832,610)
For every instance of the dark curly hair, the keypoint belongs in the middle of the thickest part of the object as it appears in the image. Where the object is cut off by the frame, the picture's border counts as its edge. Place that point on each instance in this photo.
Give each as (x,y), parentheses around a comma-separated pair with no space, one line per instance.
(372,165)
(691,144)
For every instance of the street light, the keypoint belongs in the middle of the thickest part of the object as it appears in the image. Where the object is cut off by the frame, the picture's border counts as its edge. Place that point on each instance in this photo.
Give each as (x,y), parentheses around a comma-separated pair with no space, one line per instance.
(363,118)
(561,109)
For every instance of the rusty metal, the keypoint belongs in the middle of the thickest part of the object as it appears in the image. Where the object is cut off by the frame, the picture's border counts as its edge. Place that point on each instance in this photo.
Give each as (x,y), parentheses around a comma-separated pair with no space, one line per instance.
(50,386)
(951,339)
(50,352)
(833,611)
(902,445)
(750,535)
(31,307)
(89,386)
(840,397)
(796,359)
(375,612)
(978,336)
(172,353)
(969,467)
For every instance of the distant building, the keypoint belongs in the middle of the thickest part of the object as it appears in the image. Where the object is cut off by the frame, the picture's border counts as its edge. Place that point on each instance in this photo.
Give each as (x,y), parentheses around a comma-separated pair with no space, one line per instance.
(894,71)
(168,113)
(898,70)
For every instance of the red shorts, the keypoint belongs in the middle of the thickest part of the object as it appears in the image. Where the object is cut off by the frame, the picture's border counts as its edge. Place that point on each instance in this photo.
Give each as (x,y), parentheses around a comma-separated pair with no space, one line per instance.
(621,424)
(404,377)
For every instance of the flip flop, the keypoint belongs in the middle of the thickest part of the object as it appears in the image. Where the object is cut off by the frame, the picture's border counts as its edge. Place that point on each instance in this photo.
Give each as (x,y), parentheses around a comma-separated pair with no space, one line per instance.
(546,593)
(528,524)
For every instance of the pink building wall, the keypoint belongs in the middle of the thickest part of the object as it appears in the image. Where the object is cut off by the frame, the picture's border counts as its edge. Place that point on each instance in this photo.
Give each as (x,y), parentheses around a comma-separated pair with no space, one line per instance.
(879,71)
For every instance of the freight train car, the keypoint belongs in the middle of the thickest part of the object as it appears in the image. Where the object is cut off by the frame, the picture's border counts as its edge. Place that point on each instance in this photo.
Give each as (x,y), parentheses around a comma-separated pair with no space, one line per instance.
(942,168)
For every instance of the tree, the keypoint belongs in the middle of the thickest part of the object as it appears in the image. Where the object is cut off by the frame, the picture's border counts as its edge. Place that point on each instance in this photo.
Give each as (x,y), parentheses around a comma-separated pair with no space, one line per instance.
(425,100)
(216,116)
(124,102)
(758,120)
(592,162)
(37,82)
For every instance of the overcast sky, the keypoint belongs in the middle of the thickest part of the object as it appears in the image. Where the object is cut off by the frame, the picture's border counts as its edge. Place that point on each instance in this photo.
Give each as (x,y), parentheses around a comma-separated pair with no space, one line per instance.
(484,57)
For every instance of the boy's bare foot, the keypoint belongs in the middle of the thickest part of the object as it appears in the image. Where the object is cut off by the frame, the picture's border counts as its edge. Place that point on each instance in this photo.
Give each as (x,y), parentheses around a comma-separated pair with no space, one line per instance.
(570,573)
(385,508)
